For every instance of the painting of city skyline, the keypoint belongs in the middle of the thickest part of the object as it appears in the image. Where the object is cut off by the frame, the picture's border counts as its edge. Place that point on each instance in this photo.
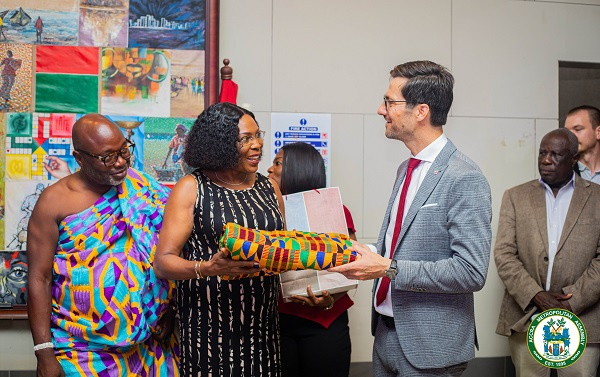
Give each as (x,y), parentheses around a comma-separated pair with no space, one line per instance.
(170,24)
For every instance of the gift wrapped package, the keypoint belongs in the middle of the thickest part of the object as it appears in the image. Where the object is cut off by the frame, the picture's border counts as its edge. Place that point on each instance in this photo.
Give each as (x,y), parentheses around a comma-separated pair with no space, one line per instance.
(280,251)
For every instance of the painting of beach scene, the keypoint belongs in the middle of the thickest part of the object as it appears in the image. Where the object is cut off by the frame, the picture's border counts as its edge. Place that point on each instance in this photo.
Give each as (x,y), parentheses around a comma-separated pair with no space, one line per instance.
(175,24)
(187,83)
(39,22)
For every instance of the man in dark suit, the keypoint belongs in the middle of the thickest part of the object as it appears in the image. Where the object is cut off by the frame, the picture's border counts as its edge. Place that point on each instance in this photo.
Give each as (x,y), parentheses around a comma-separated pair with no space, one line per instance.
(434,245)
(548,254)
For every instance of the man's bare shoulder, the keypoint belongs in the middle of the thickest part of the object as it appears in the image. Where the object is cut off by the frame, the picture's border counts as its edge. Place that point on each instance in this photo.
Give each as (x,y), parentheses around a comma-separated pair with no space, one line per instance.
(65,197)
(66,186)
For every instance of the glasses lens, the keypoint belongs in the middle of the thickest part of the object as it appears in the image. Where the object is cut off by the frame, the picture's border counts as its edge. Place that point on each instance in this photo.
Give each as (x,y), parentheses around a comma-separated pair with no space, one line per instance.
(126,152)
(111,159)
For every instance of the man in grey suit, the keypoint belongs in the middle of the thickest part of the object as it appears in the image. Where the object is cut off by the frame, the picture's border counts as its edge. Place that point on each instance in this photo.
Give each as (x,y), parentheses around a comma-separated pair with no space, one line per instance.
(548,254)
(434,245)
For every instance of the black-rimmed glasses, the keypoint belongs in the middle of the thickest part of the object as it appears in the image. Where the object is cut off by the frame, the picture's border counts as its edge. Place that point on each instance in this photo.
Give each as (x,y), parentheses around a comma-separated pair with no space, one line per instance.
(111,158)
(387,101)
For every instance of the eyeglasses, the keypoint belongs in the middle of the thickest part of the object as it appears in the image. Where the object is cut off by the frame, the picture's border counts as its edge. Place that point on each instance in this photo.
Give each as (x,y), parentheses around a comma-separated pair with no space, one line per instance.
(249,139)
(111,158)
(387,101)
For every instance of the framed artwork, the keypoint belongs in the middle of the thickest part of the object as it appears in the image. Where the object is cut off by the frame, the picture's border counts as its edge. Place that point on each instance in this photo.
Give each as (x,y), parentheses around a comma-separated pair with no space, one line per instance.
(164,52)
(15,77)
(13,284)
(103,23)
(175,34)
(135,81)
(164,143)
(151,66)
(41,22)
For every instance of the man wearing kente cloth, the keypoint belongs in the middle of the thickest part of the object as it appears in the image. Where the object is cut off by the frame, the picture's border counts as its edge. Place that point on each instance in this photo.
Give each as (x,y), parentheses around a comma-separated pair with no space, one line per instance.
(95,305)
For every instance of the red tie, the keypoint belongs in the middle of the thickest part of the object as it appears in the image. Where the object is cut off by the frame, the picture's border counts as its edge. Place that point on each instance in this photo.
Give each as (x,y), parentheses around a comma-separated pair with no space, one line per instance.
(385,282)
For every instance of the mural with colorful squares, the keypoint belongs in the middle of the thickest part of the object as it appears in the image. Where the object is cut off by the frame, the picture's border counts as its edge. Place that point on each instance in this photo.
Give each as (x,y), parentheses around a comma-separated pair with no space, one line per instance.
(140,63)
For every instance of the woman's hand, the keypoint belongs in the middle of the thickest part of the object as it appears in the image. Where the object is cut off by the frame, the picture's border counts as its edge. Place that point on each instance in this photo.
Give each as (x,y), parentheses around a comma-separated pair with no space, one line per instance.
(220,264)
(165,326)
(323,301)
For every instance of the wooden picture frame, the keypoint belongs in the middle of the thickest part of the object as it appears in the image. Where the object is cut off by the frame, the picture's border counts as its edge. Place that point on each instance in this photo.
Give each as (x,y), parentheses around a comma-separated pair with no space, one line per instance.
(211,49)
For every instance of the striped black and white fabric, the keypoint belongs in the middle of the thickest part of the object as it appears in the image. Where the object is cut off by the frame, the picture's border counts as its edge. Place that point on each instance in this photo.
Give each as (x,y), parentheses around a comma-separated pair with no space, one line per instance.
(229,328)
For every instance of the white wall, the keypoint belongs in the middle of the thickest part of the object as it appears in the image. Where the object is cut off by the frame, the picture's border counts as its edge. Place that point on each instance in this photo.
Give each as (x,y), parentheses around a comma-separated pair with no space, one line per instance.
(334,56)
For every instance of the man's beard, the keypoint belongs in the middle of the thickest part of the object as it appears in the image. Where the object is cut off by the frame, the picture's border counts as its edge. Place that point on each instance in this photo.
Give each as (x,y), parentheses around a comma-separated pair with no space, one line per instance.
(103,178)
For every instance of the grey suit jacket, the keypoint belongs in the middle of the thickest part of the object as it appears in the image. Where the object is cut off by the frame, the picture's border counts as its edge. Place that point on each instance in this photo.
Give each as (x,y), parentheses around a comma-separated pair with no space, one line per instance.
(443,255)
(521,255)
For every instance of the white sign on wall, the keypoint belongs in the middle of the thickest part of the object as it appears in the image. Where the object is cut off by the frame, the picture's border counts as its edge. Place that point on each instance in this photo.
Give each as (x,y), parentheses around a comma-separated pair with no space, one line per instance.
(314,129)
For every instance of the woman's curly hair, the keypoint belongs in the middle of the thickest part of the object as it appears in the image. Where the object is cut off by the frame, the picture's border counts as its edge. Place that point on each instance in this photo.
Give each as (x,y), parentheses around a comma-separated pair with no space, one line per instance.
(212,143)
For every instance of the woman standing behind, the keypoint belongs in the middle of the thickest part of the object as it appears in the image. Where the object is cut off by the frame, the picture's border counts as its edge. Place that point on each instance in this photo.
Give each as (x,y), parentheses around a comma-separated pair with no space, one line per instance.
(227,327)
(311,327)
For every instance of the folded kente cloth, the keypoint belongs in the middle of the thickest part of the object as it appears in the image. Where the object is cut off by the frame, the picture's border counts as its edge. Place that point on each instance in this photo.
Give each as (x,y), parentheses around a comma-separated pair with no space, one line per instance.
(280,251)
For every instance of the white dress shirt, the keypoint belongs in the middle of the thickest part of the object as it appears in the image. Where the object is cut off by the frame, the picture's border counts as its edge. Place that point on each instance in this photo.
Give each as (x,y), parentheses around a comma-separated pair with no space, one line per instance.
(556,213)
(427,156)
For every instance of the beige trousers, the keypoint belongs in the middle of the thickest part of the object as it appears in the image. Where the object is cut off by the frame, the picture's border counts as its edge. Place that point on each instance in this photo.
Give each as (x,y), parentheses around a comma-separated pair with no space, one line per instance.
(526,366)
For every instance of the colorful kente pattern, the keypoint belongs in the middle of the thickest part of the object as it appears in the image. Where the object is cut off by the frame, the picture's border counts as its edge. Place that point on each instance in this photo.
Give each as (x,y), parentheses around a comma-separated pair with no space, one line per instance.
(106,300)
(280,251)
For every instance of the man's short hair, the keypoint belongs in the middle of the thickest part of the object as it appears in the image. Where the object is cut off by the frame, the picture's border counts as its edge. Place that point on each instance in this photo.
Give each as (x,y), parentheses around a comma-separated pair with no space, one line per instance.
(567,134)
(593,113)
(428,83)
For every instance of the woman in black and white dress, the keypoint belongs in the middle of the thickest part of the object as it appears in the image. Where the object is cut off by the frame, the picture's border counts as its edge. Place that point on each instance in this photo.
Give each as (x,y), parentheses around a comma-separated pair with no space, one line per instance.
(227,327)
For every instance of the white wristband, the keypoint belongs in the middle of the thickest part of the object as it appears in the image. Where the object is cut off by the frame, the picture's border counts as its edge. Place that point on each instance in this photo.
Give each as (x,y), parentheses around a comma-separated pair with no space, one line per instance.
(41,346)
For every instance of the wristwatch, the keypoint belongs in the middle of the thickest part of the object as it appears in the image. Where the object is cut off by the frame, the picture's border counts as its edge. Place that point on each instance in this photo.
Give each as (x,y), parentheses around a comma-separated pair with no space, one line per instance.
(391,272)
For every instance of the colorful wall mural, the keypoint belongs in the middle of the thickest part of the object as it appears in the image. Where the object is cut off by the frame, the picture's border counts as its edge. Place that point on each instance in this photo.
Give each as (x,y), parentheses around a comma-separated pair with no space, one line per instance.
(138,62)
